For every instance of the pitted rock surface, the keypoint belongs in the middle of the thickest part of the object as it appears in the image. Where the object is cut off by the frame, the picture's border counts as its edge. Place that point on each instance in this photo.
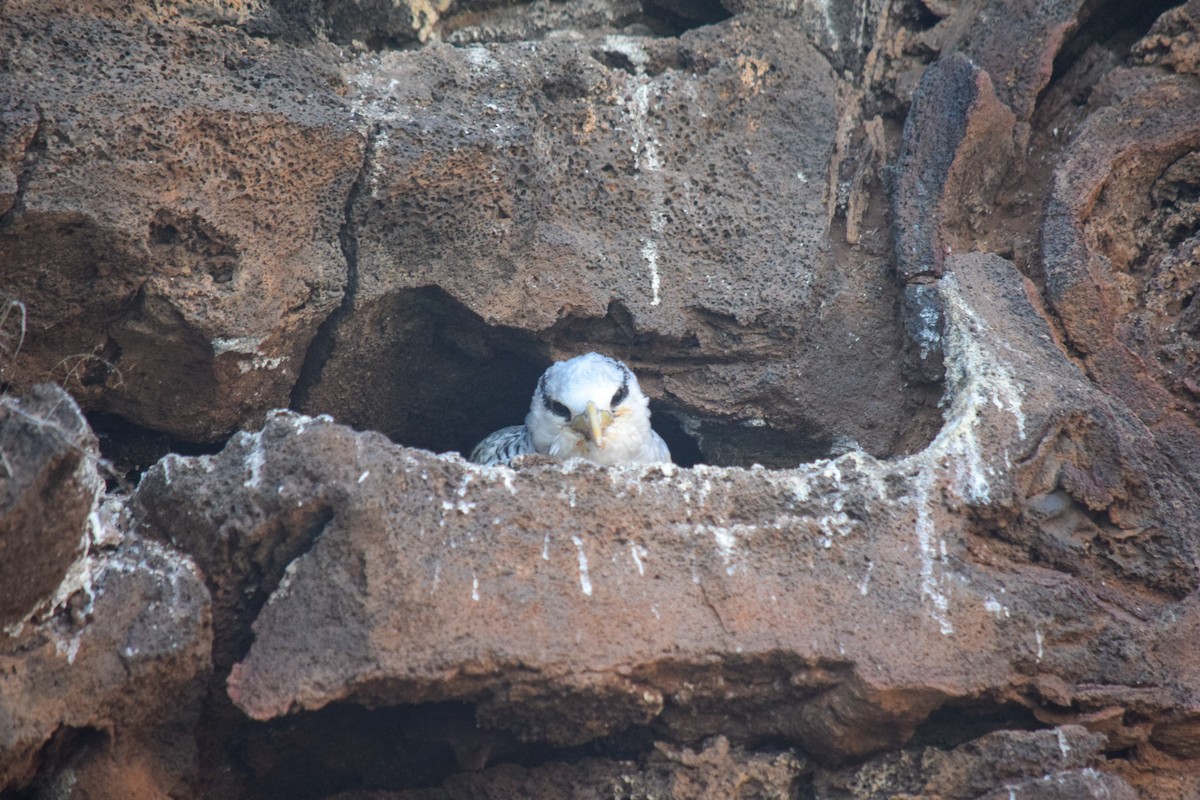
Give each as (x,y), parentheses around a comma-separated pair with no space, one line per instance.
(958,142)
(1019,54)
(712,770)
(665,198)
(49,488)
(114,676)
(801,224)
(570,603)
(1010,759)
(174,228)
(1127,303)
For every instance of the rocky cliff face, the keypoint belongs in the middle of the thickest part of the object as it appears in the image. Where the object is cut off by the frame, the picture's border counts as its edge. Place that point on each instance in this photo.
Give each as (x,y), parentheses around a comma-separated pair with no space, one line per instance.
(912,287)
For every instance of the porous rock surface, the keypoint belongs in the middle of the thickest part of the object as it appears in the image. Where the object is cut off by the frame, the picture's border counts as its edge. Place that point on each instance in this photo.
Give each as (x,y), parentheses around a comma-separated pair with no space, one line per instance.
(574,604)
(930,265)
(50,486)
(623,190)
(174,222)
(102,673)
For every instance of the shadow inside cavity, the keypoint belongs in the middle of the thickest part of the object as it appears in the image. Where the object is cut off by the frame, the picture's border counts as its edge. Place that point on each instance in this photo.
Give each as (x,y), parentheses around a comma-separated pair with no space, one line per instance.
(422,368)
(345,747)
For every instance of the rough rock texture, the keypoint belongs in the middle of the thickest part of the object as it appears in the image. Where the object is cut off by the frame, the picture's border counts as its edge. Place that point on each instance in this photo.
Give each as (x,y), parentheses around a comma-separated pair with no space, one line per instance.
(801,223)
(1016,761)
(48,487)
(624,191)
(1128,303)
(173,229)
(957,146)
(103,697)
(1174,40)
(101,677)
(1014,41)
(427,565)
(715,770)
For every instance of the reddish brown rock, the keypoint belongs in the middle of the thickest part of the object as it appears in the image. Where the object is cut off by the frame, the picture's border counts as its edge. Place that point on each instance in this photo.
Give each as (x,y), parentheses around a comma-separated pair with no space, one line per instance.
(572,603)
(100,697)
(1120,251)
(672,773)
(1014,42)
(48,487)
(18,124)
(664,200)
(958,143)
(243,547)
(1002,604)
(174,228)
(1044,764)
(104,650)
(1174,40)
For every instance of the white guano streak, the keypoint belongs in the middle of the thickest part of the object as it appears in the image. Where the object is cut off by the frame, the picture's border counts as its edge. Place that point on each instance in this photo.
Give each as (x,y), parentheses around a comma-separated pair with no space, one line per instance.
(977,378)
(255,461)
(931,581)
(585,582)
(646,159)
(637,551)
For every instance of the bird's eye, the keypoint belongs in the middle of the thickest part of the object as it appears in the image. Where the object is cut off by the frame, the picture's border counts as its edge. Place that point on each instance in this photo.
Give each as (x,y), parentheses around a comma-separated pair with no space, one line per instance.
(560,409)
(620,396)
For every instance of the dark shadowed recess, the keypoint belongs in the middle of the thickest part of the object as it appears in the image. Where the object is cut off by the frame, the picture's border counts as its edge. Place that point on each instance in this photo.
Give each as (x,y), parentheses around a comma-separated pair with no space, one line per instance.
(128,450)
(958,723)
(683,15)
(345,747)
(382,25)
(66,747)
(1116,25)
(446,378)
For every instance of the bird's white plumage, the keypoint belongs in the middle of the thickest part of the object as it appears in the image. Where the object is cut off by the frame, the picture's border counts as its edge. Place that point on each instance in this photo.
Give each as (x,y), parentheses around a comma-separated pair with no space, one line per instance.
(561,399)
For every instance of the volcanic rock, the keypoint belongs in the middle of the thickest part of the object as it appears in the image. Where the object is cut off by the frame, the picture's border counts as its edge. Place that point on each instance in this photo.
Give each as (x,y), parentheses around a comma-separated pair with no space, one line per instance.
(101,678)
(48,488)
(1120,251)
(800,224)
(174,227)
(625,191)
(714,770)
(1015,760)
(571,603)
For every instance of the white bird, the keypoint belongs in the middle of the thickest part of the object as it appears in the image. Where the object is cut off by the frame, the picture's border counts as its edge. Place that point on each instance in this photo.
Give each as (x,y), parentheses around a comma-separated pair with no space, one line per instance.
(588,407)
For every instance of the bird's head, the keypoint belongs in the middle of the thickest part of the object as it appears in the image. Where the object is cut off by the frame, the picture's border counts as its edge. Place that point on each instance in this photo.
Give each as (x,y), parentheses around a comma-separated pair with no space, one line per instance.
(583,403)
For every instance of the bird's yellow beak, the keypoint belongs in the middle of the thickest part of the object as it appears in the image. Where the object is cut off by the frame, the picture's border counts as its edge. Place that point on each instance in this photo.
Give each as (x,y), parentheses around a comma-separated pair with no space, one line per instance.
(592,422)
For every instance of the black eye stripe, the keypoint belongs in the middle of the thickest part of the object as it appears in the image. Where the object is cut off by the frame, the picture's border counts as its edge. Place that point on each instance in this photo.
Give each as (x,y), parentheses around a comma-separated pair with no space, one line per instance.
(555,407)
(621,394)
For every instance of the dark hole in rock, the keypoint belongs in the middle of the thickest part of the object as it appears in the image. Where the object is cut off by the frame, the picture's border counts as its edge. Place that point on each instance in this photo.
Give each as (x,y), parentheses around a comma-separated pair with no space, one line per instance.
(958,723)
(684,15)
(430,373)
(734,444)
(422,368)
(164,234)
(685,451)
(66,746)
(129,450)
(345,747)
(1115,25)
(1185,302)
